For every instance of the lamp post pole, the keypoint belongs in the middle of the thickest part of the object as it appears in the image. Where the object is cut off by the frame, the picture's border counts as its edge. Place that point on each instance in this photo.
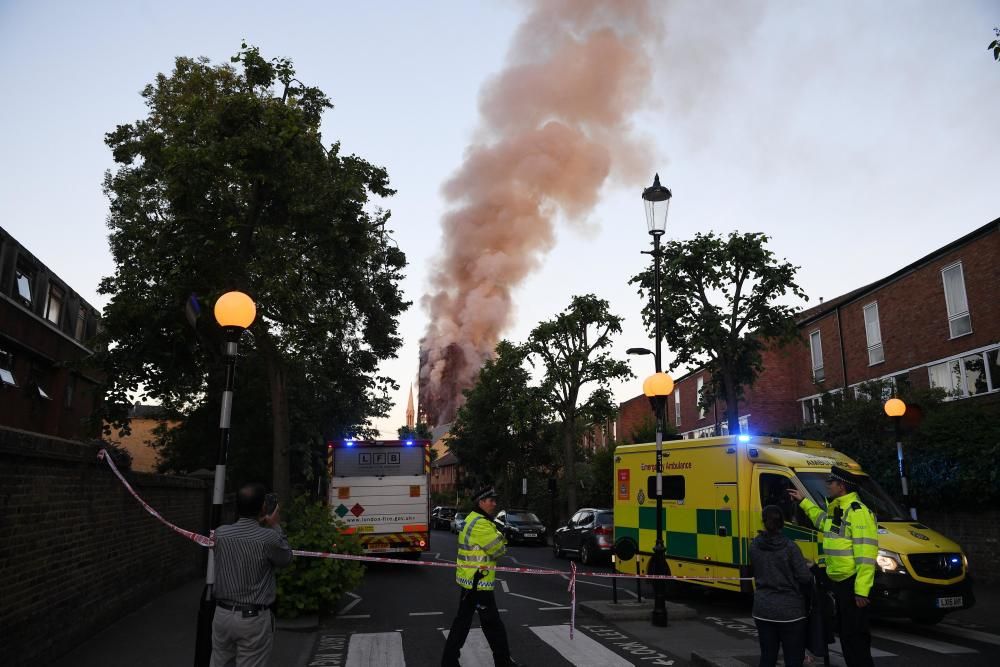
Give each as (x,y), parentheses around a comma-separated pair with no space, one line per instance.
(235,311)
(896,408)
(657,201)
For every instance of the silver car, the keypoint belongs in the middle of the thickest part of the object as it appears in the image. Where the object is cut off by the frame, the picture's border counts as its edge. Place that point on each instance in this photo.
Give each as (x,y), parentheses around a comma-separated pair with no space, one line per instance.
(458,521)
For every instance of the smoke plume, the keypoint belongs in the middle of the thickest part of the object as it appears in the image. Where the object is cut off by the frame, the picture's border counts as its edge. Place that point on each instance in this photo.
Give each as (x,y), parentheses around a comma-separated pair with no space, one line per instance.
(555,125)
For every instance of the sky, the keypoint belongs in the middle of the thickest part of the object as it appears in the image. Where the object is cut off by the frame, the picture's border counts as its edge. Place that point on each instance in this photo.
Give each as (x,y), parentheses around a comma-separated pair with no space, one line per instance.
(859,136)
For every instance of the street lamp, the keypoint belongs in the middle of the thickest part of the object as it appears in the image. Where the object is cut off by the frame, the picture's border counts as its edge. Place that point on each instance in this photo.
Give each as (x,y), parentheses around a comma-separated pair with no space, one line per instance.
(234,311)
(896,408)
(657,387)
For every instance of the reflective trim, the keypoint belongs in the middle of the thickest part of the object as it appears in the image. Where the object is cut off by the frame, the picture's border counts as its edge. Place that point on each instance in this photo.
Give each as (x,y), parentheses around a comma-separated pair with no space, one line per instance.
(468,531)
(865,540)
(834,536)
(492,544)
(861,560)
(838,552)
(470,558)
(820,518)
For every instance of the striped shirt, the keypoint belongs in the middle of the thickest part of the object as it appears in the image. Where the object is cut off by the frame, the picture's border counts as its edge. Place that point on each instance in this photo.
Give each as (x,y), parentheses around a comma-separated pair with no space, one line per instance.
(246,555)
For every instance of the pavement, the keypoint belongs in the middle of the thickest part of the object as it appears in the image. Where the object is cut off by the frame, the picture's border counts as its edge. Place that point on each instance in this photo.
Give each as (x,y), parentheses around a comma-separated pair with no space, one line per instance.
(162,633)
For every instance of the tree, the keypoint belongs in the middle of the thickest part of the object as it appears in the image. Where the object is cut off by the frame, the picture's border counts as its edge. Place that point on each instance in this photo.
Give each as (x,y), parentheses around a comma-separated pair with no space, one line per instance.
(503,429)
(420,432)
(719,308)
(572,348)
(226,184)
(995,45)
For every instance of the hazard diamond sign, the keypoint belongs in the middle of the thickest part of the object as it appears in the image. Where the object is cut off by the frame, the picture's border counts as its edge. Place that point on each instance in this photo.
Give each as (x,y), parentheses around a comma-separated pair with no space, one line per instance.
(357,510)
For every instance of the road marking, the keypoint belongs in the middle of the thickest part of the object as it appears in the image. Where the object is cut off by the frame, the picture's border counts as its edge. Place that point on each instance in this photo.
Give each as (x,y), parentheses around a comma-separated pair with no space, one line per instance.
(503,585)
(920,642)
(376,649)
(965,633)
(476,650)
(350,605)
(354,616)
(426,613)
(551,604)
(552,608)
(581,651)
(876,653)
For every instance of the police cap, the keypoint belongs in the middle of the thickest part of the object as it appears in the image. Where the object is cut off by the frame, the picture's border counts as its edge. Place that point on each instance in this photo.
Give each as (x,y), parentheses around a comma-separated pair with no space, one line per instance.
(484,493)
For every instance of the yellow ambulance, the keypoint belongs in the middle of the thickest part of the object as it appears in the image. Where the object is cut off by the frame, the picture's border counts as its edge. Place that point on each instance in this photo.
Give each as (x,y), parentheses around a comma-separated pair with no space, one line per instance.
(713,493)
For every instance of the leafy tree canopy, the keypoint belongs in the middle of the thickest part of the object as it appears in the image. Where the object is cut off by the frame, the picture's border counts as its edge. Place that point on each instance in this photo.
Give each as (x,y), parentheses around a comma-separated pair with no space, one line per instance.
(572,349)
(226,184)
(719,307)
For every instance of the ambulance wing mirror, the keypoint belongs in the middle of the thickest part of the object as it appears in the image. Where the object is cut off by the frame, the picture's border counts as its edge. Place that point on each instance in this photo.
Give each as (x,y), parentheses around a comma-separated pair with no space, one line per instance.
(626,548)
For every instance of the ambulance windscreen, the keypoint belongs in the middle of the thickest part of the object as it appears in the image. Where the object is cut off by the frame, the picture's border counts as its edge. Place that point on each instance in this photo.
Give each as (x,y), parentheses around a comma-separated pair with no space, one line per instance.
(871,494)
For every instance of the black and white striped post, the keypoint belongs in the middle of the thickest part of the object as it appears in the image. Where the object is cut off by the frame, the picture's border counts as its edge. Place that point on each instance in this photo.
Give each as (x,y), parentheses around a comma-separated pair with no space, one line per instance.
(234,311)
(896,408)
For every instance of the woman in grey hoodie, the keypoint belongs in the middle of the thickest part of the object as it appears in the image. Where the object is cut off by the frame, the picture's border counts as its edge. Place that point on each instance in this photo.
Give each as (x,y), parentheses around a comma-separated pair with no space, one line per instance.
(779,606)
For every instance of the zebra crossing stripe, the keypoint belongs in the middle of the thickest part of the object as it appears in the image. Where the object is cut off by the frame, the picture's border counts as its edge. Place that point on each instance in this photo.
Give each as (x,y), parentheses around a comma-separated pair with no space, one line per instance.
(376,649)
(921,642)
(581,651)
(476,651)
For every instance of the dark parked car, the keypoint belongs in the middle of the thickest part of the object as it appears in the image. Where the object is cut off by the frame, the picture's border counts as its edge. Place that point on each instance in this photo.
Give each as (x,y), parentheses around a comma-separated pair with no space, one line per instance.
(589,534)
(441,517)
(520,526)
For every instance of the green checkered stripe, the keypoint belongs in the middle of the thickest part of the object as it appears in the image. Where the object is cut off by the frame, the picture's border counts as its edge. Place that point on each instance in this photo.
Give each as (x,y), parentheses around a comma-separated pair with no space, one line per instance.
(690,533)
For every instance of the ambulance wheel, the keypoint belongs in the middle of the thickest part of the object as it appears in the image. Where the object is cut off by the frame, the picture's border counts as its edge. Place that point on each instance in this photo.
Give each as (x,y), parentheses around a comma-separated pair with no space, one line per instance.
(928,618)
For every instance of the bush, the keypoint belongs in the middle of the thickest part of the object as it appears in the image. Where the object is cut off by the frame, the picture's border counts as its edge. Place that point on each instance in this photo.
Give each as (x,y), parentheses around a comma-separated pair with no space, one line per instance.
(315,585)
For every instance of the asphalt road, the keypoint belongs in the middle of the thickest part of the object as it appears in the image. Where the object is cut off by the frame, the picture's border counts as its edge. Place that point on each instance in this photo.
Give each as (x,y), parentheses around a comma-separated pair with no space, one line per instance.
(401,613)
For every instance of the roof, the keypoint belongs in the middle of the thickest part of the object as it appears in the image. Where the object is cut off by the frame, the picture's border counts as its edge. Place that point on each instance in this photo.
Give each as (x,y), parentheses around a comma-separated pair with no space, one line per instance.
(448,459)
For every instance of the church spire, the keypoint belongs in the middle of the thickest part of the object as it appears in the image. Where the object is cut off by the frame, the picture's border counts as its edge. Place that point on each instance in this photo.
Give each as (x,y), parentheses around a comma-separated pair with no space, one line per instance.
(410,423)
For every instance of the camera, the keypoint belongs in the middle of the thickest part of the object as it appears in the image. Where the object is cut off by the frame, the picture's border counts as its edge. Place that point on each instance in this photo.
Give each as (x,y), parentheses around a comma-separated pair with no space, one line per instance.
(270,503)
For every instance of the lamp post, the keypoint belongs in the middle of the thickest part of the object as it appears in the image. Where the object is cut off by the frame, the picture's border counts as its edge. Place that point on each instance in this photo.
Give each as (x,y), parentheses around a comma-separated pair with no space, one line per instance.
(896,408)
(658,386)
(234,311)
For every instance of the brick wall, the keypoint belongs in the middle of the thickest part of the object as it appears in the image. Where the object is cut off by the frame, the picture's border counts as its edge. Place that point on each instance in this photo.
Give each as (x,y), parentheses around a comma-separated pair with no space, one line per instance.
(77,551)
(979,536)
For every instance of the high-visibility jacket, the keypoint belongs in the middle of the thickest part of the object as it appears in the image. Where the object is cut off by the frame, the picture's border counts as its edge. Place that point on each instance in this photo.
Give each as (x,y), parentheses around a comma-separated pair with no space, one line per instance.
(849,539)
(479,546)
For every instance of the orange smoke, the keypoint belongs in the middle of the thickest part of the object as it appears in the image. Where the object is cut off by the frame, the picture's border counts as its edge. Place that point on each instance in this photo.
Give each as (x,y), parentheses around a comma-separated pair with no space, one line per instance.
(556,125)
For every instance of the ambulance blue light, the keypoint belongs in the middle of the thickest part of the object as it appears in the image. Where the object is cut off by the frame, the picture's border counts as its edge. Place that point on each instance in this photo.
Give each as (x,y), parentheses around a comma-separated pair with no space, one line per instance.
(349,443)
(409,443)
(743,438)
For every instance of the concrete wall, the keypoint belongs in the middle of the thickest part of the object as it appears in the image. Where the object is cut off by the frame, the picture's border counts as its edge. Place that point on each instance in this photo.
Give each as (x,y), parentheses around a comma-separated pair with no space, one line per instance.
(78,551)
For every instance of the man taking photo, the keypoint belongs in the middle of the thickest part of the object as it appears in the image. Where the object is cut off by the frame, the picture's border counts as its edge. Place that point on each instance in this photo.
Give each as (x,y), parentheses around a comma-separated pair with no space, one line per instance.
(246,555)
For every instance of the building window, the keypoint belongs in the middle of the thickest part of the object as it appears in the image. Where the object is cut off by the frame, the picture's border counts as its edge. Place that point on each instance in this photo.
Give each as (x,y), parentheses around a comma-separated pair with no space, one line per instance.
(677,406)
(812,410)
(959,321)
(53,309)
(873,333)
(701,406)
(81,324)
(70,390)
(816,350)
(969,375)
(22,279)
(7,369)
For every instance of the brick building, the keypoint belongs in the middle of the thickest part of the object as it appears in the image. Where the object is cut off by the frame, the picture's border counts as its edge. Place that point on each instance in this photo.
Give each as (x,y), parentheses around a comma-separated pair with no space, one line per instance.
(44,329)
(935,322)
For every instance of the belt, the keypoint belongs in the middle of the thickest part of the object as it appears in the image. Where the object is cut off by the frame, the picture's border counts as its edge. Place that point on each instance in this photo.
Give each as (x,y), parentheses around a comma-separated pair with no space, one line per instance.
(241,607)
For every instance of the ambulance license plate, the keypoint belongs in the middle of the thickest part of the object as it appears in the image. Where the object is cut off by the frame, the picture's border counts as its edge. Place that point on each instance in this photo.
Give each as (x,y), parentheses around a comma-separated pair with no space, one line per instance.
(531,534)
(947,603)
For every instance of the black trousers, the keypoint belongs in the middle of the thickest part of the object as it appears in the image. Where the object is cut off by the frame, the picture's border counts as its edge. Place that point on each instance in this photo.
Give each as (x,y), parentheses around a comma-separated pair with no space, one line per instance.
(789,637)
(852,625)
(489,618)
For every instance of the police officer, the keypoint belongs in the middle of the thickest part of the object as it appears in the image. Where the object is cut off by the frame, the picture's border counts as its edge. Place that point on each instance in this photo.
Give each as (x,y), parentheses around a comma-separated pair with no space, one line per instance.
(480,544)
(850,546)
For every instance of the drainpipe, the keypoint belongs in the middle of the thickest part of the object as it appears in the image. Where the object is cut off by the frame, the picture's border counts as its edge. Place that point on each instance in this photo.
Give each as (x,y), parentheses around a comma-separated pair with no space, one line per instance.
(843,356)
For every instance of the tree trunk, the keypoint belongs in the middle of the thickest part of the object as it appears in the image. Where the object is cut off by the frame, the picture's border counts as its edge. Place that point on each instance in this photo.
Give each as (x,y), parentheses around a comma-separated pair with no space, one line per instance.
(277,380)
(570,464)
(732,403)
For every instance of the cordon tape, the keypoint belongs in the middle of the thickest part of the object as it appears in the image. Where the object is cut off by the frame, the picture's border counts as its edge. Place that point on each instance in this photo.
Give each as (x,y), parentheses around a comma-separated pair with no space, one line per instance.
(209,541)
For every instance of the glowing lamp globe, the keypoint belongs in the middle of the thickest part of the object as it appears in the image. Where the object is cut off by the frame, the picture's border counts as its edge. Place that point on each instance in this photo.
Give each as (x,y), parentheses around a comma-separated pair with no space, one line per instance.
(658,384)
(235,309)
(895,407)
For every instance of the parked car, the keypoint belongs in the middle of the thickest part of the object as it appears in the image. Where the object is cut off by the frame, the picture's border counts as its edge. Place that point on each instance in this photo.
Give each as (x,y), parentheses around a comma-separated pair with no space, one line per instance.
(441,517)
(458,522)
(520,526)
(589,535)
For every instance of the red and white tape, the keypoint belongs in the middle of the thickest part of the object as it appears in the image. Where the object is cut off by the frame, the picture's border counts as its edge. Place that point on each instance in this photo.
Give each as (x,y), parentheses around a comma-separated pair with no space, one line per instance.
(209,541)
